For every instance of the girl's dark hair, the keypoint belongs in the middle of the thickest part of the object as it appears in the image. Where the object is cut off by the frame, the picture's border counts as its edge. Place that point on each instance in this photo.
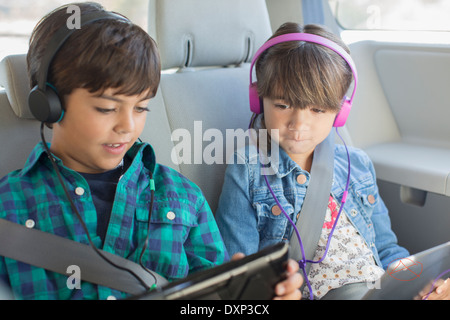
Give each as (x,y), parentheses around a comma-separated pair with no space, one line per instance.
(303,73)
(104,54)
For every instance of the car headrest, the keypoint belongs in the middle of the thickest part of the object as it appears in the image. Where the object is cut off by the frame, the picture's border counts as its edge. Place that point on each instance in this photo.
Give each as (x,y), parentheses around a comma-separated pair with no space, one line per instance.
(14,78)
(201,33)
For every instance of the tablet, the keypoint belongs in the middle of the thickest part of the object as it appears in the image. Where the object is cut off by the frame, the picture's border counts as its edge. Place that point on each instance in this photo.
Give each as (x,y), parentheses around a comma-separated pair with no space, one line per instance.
(405,278)
(251,278)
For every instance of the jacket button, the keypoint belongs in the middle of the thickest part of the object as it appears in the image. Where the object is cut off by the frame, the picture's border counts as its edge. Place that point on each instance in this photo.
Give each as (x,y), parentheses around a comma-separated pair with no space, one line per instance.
(371,199)
(301,179)
(276,211)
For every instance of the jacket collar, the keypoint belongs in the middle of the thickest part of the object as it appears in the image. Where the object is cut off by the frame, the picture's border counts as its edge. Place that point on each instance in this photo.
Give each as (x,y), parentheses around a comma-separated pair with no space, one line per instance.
(282,165)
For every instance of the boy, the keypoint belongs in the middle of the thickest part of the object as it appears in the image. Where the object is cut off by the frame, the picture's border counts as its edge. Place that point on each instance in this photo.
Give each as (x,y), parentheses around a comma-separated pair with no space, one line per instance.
(104,75)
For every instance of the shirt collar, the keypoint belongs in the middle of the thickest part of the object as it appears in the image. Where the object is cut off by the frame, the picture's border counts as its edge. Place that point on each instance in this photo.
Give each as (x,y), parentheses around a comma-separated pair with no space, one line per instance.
(282,164)
(143,151)
(34,157)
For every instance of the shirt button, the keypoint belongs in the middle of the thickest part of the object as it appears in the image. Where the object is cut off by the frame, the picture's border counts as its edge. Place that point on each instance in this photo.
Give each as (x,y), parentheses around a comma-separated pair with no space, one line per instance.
(371,198)
(353,212)
(79,191)
(30,223)
(111,298)
(301,179)
(171,215)
(276,211)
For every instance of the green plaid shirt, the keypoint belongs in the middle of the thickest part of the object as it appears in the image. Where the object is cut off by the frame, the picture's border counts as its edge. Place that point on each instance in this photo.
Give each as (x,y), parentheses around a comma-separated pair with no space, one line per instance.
(184,236)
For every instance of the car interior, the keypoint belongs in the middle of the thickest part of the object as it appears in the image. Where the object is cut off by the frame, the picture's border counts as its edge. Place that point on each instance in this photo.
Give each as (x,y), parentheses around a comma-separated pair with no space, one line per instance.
(399,115)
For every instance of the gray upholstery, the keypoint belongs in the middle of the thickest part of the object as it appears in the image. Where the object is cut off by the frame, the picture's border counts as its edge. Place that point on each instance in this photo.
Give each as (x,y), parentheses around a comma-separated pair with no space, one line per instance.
(209,94)
(209,91)
(19,132)
(197,33)
(14,78)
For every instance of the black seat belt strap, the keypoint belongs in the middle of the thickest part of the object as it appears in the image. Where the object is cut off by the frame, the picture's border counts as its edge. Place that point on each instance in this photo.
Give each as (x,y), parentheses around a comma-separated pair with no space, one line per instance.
(54,253)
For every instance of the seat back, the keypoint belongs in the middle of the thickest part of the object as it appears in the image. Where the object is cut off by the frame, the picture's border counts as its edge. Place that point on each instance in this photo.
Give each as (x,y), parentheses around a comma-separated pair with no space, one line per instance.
(206,47)
(19,131)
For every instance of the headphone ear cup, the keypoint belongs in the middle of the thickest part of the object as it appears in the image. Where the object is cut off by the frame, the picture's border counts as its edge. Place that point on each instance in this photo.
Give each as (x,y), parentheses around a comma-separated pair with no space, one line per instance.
(342,116)
(255,103)
(45,105)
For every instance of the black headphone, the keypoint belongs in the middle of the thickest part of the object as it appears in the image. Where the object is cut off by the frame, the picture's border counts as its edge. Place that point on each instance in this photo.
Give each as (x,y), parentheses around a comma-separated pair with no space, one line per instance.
(43,99)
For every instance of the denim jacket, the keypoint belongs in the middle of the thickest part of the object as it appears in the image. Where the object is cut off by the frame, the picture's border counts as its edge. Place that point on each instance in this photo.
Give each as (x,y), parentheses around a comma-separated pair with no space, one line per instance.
(249,220)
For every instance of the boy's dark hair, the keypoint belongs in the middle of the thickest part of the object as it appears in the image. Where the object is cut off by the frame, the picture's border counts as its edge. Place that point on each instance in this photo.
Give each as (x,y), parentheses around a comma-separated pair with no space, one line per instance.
(104,54)
(303,73)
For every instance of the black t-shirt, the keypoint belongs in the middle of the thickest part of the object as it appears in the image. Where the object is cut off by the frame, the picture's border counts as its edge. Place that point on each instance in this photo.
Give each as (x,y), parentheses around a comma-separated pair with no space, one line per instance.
(103,188)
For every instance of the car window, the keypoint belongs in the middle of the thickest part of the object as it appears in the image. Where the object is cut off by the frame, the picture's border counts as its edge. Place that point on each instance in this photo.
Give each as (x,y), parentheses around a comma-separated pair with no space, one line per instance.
(18,18)
(413,15)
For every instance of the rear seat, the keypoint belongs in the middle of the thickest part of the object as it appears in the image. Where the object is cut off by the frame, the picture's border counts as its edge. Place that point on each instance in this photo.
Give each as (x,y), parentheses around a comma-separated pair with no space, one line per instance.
(19,132)
(205,57)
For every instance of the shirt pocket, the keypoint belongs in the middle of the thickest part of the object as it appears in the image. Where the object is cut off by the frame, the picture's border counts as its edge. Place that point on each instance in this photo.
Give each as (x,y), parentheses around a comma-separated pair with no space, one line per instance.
(365,199)
(172,220)
(170,226)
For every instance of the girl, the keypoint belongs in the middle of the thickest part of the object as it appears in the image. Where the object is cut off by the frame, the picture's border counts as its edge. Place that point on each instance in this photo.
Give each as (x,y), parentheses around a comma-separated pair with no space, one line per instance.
(301,85)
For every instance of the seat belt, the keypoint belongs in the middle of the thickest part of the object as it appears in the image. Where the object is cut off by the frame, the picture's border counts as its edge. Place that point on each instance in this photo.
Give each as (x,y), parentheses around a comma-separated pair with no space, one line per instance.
(350,291)
(312,213)
(55,253)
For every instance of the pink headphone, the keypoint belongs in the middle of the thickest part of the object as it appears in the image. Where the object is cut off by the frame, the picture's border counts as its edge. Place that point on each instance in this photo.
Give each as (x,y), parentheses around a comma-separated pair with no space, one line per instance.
(341,117)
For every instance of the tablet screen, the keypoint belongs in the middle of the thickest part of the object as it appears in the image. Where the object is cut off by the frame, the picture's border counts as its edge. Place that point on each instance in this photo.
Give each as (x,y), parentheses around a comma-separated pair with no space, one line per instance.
(405,278)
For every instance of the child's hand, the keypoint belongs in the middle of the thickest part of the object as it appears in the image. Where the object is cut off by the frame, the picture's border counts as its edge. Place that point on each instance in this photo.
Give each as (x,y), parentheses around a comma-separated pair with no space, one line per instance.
(289,288)
(441,291)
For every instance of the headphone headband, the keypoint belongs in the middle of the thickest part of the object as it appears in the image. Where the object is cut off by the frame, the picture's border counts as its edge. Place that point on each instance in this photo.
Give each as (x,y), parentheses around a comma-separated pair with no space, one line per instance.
(60,37)
(43,101)
(306,37)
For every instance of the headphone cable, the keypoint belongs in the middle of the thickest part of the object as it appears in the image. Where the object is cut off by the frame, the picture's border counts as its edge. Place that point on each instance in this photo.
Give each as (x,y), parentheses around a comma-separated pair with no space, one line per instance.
(302,262)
